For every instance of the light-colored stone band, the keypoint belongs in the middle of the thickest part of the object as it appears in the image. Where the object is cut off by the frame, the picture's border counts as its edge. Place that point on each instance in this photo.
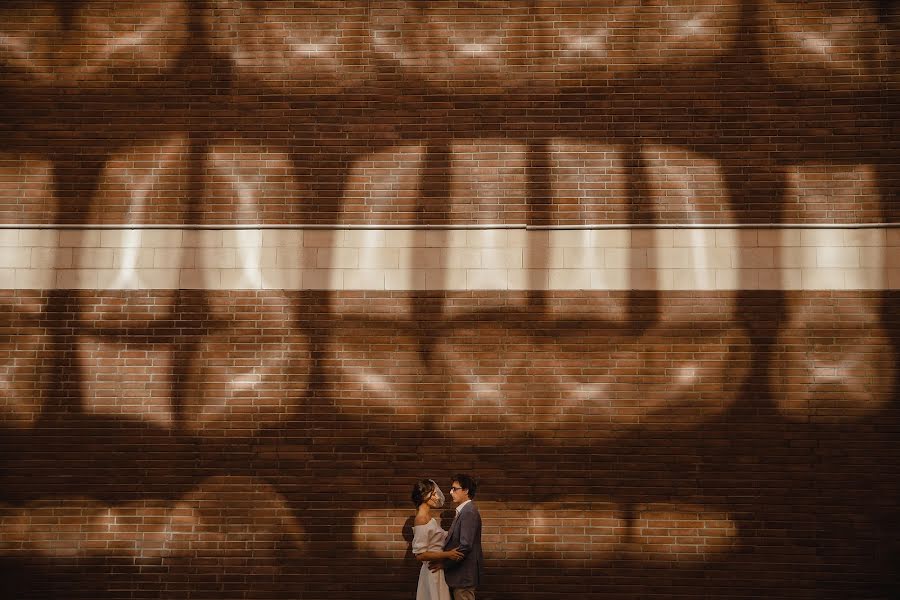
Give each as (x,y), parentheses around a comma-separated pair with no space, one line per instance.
(433,227)
(673,258)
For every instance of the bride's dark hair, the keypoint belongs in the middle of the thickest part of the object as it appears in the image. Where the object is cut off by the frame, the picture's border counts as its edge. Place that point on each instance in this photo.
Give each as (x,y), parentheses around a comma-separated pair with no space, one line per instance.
(421,490)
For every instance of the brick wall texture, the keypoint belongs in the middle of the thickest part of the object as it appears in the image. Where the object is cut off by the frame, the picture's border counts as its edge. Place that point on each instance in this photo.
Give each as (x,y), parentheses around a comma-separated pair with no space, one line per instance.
(631,443)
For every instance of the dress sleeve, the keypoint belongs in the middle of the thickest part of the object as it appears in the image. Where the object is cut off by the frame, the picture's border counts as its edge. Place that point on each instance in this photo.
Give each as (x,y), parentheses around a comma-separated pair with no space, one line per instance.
(420,540)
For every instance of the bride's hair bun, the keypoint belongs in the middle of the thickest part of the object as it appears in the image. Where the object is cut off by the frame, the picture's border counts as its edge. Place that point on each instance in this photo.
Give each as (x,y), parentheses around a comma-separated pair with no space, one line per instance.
(421,490)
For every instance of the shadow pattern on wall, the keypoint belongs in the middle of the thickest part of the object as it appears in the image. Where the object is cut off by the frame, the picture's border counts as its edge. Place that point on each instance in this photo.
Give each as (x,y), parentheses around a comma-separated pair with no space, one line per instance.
(260,444)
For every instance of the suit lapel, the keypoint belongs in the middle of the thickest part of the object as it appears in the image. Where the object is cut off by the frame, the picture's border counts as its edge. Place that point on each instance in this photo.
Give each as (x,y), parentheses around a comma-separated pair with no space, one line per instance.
(451,532)
(454,526)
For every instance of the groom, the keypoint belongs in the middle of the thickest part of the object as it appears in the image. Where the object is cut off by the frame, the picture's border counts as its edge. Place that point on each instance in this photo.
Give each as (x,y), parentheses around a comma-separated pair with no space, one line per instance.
(463,576)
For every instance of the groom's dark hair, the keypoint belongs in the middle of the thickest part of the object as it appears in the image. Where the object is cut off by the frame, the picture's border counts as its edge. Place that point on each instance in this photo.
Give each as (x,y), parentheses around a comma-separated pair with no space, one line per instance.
(467,483)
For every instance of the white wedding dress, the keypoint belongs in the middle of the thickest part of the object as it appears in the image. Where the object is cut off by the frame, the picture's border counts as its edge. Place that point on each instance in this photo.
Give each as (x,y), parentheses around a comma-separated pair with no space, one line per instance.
(428,538)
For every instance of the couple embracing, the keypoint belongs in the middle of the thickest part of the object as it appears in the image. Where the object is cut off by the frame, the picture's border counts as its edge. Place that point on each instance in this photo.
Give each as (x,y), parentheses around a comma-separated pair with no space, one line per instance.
(452,559)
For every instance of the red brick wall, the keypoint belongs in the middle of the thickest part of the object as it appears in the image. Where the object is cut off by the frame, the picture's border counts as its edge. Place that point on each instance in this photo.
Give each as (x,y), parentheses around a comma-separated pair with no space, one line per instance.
(681,444)
(191,444)
(440,112)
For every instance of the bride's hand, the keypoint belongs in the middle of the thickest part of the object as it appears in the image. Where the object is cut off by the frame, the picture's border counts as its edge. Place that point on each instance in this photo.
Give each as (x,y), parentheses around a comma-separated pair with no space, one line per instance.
(455,555)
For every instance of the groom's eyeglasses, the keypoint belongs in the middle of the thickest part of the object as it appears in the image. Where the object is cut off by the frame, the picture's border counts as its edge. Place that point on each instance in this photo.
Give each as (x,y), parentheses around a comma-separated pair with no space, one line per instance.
(455,489)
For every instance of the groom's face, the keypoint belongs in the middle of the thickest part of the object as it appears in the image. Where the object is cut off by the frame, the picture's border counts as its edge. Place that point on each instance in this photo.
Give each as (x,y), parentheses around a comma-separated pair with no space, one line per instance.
(457,493)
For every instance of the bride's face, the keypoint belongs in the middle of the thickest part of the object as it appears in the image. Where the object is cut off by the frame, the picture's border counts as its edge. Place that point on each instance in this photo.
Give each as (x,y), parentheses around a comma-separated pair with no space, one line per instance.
(434,500)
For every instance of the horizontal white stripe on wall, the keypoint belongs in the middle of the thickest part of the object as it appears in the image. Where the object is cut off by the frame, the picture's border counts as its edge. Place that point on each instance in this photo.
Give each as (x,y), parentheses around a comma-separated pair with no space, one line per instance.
(676,258)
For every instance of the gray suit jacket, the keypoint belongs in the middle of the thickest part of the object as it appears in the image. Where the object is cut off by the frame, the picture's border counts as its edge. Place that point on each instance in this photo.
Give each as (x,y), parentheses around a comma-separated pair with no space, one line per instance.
(465,533)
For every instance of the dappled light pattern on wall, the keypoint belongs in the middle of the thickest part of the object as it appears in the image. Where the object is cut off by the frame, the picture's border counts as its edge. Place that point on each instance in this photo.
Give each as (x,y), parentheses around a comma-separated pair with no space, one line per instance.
(92,44)
(650,436)
(265,263)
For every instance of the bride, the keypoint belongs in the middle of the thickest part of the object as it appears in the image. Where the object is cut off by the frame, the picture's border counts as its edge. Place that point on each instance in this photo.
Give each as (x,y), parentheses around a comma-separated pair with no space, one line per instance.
(428,541)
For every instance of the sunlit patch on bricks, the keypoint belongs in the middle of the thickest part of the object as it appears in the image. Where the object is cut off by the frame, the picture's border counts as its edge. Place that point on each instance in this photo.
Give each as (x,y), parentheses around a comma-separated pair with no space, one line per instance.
(473,47)
(25,369)
(249,371)
(606,38)
(605,532)
(833,362)
(311,47)
(90,43)
(819,44)
(26,182)
(211,520)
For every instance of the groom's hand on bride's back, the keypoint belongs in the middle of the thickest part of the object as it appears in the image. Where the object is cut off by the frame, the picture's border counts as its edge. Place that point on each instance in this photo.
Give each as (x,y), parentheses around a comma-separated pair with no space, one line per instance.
(455,555)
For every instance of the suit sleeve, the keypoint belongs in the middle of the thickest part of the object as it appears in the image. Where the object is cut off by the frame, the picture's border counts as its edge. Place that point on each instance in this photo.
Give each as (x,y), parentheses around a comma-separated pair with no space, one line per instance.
(468,528)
